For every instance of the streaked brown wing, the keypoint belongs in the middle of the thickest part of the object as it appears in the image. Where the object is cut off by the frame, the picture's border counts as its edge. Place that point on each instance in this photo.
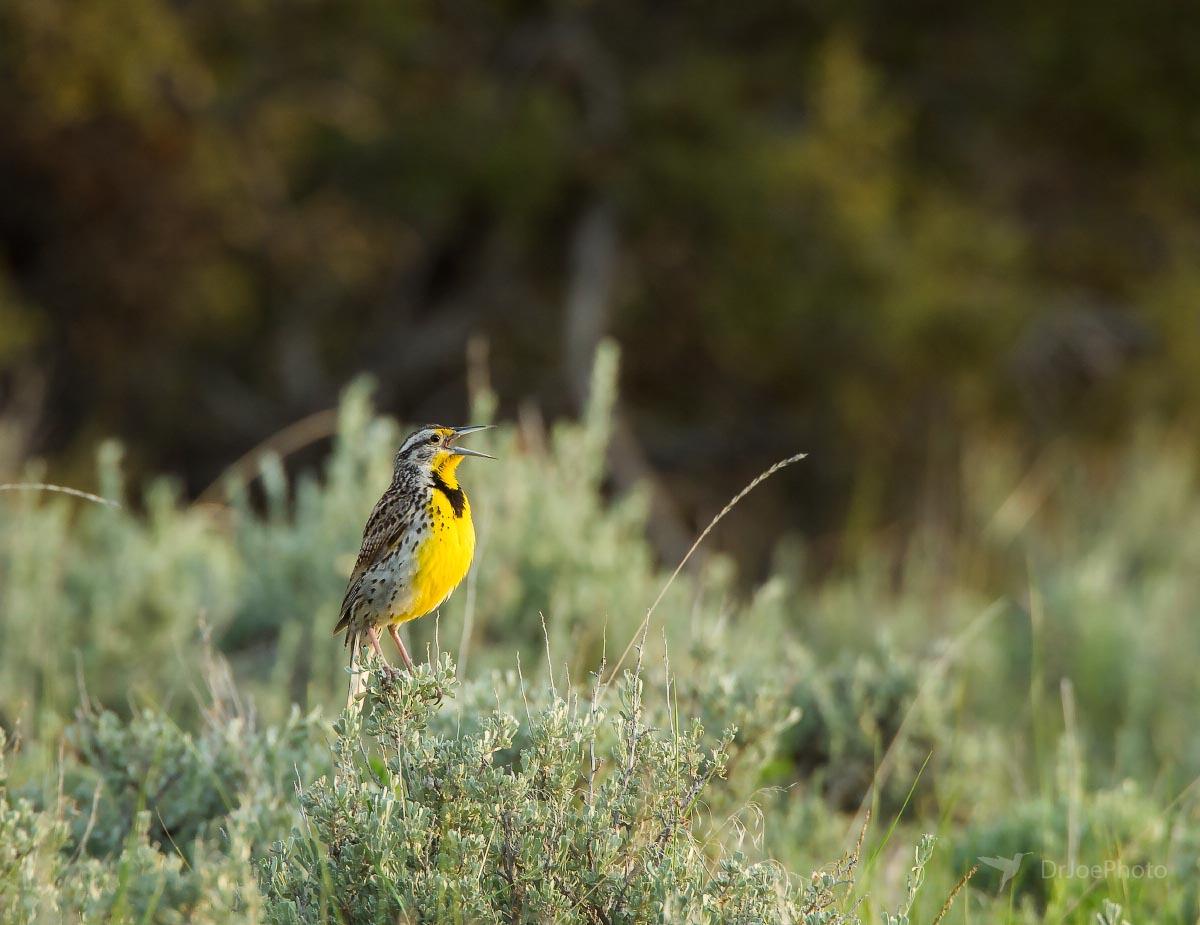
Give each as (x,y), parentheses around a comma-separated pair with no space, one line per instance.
(385,529)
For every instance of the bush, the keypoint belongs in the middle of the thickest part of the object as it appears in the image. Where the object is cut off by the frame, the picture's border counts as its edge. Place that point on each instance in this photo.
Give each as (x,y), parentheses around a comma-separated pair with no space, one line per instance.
(45,877)
(596,818)
(851,713)
(591,810)
(165,805)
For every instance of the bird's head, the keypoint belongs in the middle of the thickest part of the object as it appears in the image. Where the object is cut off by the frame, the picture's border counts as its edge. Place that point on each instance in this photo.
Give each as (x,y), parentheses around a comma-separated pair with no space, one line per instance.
(435,448)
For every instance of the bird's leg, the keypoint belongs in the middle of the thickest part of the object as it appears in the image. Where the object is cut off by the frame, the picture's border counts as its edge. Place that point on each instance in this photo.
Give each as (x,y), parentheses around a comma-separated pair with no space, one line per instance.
(373,635)
(395,634)
(385,669)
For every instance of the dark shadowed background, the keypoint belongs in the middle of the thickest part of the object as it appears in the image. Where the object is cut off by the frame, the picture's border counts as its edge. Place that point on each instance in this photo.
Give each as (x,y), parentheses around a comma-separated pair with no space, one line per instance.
(876,232)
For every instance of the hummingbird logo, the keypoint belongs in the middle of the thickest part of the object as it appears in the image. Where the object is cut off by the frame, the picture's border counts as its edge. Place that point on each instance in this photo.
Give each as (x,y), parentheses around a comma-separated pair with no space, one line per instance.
(1008,867)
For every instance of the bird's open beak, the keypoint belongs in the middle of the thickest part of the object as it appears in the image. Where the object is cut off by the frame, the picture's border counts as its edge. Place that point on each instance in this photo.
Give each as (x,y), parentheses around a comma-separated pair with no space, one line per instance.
(462,432)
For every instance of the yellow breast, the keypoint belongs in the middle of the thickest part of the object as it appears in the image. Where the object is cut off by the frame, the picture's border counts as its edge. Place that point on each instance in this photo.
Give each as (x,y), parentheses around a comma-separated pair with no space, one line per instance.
(442,559)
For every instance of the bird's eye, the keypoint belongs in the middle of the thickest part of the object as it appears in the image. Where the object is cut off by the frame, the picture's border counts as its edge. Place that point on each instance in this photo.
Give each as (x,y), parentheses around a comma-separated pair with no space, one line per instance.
(435,438)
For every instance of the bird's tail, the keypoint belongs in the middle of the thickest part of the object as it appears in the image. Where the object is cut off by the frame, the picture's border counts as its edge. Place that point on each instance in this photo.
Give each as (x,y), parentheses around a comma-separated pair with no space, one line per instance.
(358,677)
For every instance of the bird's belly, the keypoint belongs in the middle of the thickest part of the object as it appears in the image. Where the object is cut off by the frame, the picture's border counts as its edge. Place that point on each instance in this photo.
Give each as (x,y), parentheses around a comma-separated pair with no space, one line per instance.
(442,562)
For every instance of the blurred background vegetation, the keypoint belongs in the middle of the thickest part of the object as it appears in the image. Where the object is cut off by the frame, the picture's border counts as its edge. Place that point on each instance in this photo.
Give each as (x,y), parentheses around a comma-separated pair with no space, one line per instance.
(867,231)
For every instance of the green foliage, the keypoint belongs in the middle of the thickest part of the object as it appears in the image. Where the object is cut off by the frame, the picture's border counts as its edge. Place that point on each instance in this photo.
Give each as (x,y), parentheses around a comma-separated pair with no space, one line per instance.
(123,592)
(916,877)
(184,783)
(599,810)
(1111,915)
(1022,691)
(592,821)
(45,876)
(852,711)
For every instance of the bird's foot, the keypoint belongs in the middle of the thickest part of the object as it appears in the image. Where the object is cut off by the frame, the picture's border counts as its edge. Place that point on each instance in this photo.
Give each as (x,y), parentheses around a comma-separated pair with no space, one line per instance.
(389,673)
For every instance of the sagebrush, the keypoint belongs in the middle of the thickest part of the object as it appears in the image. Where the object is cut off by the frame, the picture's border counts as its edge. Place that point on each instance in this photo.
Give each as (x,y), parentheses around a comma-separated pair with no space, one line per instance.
(1021,687)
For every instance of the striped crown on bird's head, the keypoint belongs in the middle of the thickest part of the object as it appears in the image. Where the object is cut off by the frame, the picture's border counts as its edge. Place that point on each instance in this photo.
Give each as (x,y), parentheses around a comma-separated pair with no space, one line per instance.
(435,446)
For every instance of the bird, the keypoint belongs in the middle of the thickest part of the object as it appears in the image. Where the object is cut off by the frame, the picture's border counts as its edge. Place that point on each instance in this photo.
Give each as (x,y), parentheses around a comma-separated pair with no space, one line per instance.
(1008,867)
(417,544)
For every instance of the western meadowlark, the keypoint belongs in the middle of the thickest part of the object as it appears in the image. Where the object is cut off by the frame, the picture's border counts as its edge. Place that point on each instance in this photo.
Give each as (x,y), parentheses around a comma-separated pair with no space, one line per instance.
(417,544)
